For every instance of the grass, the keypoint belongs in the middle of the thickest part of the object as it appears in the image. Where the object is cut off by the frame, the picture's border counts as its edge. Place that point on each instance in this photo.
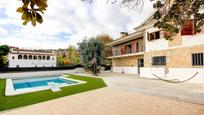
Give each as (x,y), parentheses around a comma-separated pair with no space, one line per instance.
(10,102)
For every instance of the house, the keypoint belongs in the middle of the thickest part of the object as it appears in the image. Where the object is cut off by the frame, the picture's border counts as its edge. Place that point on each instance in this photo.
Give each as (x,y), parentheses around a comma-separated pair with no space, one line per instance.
(146,52)
(18,58)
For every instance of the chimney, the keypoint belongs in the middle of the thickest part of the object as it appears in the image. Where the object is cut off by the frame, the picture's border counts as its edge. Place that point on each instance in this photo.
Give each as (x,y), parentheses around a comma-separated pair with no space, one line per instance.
(123,34)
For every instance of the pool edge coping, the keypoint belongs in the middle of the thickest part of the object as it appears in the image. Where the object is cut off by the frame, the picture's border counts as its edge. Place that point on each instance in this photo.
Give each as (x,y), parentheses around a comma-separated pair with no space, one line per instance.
(9,90)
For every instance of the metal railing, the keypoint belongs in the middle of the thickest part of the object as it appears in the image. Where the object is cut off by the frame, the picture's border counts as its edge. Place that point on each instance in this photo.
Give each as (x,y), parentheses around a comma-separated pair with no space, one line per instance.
(119,52)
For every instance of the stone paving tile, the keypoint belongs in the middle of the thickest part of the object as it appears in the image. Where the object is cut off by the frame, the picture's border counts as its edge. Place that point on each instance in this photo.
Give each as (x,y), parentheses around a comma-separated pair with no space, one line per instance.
(183,92)
(110,101)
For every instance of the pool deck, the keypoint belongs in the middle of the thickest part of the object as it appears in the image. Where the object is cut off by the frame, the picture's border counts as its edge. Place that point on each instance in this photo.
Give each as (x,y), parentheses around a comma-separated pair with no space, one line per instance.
(125,95)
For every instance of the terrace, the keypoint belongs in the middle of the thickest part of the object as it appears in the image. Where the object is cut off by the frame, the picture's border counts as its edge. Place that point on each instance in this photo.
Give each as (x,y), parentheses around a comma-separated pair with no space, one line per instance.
(128,45)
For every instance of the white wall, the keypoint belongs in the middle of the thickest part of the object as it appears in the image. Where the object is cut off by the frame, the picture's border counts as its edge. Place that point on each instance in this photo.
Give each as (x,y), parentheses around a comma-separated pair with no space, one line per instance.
(30,63)
(159,44)
(174,73)
(197,40)
(128,70)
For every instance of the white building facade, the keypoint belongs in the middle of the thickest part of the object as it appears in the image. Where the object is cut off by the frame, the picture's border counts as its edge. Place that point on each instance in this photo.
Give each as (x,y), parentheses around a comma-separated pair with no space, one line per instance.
(19,58)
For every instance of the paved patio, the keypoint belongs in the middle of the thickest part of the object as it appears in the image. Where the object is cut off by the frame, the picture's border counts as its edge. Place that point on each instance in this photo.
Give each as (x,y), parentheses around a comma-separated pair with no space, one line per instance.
(125,95)
(187,92)
(110,101)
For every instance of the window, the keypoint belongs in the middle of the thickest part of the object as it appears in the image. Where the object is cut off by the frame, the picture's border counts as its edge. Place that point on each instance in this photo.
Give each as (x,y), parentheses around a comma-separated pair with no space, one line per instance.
(13,57)
(154,36)
(127,49)
(137,47)
(159,60)
(53,58)
(19,56)
(25,57)
(34,57)
(30,57)
(48,57)
(39,57)
(43,57)
(197,59)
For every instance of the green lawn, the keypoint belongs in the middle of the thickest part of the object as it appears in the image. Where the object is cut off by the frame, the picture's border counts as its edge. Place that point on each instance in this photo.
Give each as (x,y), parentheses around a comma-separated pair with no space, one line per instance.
(37,97)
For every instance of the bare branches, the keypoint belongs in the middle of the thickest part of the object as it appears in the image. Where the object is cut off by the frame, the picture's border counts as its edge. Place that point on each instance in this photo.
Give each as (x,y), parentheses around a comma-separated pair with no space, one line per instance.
(131,4)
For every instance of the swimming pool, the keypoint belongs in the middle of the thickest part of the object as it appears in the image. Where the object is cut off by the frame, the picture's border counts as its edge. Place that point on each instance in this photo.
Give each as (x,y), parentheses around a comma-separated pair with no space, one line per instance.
(38,82)
(26,85)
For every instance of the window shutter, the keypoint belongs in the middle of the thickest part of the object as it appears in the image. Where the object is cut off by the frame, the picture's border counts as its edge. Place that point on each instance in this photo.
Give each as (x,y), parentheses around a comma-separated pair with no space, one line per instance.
(166,34)
(133,47)
(187,28)
(122,49)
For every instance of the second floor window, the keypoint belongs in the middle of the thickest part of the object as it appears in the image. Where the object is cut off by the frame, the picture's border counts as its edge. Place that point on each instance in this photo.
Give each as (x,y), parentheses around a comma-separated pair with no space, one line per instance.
(30,57)
(154,35)
(159,60)
(128,49)
(48,57)
(35,57)
(20,56)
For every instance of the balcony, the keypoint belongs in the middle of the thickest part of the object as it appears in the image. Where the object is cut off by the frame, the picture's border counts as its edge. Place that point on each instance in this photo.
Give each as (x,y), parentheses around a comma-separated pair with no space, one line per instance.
(127,52)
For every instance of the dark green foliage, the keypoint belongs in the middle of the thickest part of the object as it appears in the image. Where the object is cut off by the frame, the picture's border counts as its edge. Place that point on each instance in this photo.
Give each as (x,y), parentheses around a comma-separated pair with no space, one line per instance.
(4,50)
(105,38)
(90,50)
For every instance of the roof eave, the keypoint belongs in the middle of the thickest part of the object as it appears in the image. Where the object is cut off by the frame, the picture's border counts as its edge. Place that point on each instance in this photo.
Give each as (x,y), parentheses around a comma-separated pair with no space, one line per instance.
(127,38)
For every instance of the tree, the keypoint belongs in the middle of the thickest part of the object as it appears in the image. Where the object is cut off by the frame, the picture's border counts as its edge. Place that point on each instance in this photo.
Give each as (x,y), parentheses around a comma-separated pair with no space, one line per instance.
(91,54)
(4,50)
(105,38)
(171,15)
(170,20)
(60,57)
(67,56)
(73,55)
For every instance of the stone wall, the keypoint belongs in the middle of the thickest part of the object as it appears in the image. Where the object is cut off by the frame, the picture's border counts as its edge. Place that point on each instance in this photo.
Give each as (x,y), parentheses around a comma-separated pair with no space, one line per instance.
(175,57)
(130,61)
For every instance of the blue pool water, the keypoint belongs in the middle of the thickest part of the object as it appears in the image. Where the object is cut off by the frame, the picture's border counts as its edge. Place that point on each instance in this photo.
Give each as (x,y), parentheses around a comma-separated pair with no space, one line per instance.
(39,82)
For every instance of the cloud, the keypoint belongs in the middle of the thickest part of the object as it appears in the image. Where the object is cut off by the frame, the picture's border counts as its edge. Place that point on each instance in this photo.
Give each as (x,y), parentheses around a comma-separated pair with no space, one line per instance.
(68,22)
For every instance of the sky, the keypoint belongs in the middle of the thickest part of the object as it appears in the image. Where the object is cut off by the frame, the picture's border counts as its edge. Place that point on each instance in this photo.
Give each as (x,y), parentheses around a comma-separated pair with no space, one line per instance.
(67,22)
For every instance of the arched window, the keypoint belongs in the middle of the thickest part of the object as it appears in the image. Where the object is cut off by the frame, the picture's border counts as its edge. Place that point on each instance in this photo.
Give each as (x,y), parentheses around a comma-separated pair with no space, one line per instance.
(19,56)
(30,57)
(34,57)
(43,57)
(39,57)
(48,57)
(25,57)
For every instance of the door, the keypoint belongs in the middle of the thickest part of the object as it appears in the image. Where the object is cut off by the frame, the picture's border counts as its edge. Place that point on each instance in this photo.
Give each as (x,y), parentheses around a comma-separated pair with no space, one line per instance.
(140,64)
